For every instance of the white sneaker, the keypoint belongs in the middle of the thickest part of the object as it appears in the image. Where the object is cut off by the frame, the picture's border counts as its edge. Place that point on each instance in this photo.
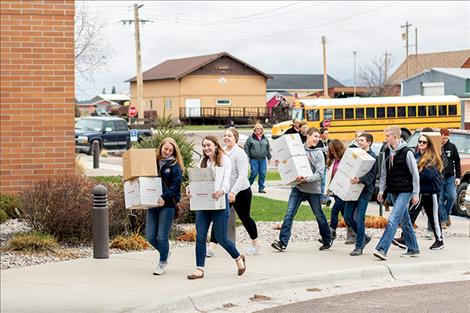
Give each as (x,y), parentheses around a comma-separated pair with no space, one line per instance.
(253,250)
(210,253)
(160,269)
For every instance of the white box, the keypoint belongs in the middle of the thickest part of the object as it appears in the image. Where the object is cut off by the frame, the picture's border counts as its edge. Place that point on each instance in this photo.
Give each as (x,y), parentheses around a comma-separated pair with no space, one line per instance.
(342,187)
(202,183)
(142,192)
(287,146)
(356,162)
(293,167)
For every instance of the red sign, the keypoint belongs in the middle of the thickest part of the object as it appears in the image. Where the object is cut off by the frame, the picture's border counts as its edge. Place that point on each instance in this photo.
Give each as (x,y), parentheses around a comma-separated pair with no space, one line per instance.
(132,112)
(326,123)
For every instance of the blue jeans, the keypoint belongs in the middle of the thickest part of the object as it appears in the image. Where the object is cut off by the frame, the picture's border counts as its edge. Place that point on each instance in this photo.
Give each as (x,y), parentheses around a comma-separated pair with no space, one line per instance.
(157,229)
(337,207)
(399,215)
(295,199)
(355,215)
(258,166)
(447,198)
(219,219)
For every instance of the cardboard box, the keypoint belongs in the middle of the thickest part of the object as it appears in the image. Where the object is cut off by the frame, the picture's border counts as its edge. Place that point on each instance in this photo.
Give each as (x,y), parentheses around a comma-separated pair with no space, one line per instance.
(356,162)
(202,184)
(435,138)
(287,146)
(142,192)
(139,163)
(342,187)
(293,167)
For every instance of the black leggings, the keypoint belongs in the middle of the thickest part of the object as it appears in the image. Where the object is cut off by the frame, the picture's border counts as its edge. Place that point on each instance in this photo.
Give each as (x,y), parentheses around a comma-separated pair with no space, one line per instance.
(242,206)
(430,204)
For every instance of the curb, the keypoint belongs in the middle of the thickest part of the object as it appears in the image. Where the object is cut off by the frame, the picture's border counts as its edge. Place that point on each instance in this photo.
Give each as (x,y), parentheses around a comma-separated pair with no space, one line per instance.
(199,301)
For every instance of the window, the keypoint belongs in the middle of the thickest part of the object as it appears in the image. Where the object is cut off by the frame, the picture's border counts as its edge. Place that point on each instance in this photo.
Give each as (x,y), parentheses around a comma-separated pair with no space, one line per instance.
(222,102)
(411,111)
(442,110)
(121,125)
(421,110)
(432,110)
(349,113)
(313,115)
(359,112)
(328,114)
(391,112)
(401,111)
(452,109)
(109,124)
(370,112)
(380,112)
(168,104)
(339,114)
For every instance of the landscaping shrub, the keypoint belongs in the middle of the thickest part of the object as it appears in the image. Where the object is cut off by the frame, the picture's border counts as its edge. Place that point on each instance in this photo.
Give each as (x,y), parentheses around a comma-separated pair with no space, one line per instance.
(10,205)
(3,216)
(130,242)
(33,242)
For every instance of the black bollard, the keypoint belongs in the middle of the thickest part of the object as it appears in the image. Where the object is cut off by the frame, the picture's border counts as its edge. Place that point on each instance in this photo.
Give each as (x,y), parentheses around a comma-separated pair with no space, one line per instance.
(96,154)
(100,222)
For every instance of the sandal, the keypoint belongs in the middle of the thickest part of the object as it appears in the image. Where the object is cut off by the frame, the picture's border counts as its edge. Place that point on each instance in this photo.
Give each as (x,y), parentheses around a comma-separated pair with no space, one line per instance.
(241,271)
(194,276)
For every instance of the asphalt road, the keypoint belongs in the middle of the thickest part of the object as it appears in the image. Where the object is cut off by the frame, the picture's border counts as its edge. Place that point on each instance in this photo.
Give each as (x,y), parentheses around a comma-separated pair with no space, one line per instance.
(440,298)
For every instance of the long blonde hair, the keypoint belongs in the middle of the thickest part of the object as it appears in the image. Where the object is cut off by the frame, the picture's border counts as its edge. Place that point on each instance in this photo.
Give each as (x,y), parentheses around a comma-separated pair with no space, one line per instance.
(431,156)
(176,152)
(219,152)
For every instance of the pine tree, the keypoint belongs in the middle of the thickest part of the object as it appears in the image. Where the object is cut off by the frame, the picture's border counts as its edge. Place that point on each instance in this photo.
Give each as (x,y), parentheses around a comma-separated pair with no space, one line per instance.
(113,91)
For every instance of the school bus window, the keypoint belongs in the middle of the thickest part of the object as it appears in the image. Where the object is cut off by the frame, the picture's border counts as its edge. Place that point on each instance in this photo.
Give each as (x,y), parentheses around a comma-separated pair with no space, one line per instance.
(338,114)
(432,110)
(411,111)
(380,112)
(313,115)
(421,110)
(359,112)
(401,111)
(442,110)
(452,109)
(349,113)
(391,112)
(328,114)
(370,112)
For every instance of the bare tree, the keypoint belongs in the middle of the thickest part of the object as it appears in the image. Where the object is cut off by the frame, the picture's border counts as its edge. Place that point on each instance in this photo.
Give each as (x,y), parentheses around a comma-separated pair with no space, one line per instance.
(92,53)
(375,76)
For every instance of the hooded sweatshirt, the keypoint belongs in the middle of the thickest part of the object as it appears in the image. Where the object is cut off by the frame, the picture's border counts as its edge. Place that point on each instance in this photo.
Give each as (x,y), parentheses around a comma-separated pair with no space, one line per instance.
(429,179)
(317,164)
(410,162)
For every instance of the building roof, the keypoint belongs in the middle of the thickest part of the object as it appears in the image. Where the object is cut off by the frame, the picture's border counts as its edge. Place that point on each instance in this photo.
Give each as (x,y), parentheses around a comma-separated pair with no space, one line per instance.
(426,61)
(458,72)
(299,81)
(178,68)
(114,97)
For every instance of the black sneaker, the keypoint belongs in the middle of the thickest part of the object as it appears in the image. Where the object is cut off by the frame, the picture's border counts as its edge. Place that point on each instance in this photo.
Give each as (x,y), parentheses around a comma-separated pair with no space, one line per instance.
(328,202)
(437,245)
(262,191)
(325,247)
(410,254)
(380,254)
(399,242)
(356,252)
(279,246)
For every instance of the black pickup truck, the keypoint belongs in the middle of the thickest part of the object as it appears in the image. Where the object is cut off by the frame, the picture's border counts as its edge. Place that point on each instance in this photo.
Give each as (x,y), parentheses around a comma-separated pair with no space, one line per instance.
(110,132)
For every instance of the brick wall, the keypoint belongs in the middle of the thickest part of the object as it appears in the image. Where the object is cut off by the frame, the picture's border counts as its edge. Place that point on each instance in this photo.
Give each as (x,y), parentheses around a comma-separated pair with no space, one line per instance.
(36,90)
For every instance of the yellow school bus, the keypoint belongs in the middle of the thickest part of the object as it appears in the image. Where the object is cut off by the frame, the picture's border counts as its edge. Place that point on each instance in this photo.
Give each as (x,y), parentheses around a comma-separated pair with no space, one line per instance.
(345,116)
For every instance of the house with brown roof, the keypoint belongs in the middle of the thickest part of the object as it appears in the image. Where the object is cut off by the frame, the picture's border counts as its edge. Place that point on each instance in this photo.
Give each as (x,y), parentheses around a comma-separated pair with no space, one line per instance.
(418,63)
(202,85)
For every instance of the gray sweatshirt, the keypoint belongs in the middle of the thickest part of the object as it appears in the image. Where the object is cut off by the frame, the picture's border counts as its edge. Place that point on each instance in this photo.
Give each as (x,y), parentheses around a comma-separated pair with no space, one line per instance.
(412,166)
(239,174)
(317,164)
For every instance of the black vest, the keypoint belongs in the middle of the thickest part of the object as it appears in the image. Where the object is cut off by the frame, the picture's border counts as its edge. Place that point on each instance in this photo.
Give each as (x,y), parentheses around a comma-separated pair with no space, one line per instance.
(399,178)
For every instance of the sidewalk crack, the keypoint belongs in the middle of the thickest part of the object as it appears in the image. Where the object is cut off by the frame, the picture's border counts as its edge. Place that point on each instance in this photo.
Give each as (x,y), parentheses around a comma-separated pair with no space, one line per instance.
(391,273)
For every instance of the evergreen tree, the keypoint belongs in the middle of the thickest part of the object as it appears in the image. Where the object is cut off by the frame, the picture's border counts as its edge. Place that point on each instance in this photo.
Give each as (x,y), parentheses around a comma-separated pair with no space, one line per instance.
(113,91)
(104,90)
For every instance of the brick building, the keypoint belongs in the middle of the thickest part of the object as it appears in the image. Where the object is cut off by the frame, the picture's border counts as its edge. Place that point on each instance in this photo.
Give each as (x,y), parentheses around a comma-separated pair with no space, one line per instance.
(37,91)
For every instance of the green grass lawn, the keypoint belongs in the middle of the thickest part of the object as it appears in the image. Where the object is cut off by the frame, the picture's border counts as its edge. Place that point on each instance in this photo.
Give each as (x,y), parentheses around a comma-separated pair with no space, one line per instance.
(270,175)
(108,179)
(268,210)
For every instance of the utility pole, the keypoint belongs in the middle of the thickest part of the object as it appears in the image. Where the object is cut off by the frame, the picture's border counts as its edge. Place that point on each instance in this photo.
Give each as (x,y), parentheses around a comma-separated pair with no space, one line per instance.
(325,77)
(406,26)
(355,54)
(139,78)
(416,48)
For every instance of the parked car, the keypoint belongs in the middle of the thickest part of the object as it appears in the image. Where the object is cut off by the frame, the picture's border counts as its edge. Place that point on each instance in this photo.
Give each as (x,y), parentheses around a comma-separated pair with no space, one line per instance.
(466,201)
(461,139)
(110,132)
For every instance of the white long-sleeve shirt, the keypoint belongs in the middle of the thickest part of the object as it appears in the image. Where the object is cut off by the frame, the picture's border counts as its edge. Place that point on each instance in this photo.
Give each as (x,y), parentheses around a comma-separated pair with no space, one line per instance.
(226,164)
(239,172)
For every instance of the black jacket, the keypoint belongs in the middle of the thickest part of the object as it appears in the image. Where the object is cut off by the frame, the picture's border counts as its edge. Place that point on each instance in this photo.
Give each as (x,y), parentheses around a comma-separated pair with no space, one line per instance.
(369,179)
(453,166)
(171,175)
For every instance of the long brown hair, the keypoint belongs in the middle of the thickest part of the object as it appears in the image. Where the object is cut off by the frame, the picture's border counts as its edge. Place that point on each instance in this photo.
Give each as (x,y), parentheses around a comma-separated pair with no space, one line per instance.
(431,156)
(336,149)
(176,152)
(219,152)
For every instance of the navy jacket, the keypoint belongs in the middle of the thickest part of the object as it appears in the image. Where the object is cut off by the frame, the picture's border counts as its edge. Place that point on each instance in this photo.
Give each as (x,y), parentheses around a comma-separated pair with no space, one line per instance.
(369,179)
(429,179)
(171,175)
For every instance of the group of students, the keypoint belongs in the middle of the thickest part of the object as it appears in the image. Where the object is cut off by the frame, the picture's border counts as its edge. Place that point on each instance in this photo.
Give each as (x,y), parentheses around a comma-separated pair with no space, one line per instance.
(406,176)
